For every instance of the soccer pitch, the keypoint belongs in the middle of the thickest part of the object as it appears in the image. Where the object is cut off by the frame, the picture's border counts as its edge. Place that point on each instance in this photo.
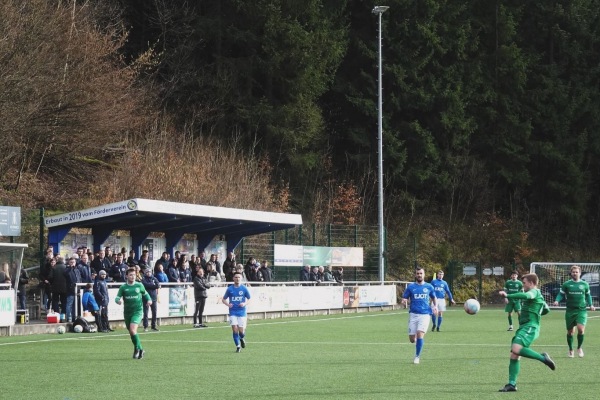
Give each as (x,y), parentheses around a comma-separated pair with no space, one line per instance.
(346,356)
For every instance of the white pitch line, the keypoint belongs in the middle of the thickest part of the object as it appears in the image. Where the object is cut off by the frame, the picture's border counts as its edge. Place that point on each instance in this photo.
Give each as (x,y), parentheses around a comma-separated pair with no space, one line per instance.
(332,318)
(224,326)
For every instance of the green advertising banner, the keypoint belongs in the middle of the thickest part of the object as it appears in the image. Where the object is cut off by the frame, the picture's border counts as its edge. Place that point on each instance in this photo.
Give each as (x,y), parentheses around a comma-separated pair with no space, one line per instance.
(334,256)
(313,255)
(288,255)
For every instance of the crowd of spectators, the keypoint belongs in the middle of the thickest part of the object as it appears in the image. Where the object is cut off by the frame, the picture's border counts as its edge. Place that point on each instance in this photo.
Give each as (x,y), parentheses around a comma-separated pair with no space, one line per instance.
(318,275)
(59,277)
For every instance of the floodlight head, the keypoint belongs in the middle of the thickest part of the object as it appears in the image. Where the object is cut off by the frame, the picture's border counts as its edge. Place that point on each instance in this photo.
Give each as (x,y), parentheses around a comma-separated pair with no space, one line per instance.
(379,9)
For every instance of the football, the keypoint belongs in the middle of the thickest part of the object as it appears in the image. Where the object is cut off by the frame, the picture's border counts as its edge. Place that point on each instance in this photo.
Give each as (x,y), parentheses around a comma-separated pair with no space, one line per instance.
(472,306)
(60,330)
(78,329)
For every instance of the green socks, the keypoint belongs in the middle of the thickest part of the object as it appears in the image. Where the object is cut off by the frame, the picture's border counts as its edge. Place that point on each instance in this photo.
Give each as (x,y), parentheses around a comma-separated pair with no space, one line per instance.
(513,371)
(570,342)
(528,353)
(135,339)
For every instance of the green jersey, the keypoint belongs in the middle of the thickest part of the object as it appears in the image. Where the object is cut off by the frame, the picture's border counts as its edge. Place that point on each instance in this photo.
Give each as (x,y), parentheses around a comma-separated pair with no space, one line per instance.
(533,306)
(512,287)
(577,294)
(132,296)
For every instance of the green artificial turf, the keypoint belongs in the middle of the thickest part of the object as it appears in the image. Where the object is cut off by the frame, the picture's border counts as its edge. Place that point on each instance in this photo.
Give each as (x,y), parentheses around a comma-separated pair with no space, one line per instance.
(346,356)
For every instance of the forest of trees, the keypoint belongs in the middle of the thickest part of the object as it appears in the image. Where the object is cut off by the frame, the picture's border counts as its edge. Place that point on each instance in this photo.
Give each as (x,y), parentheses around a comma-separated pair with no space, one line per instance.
(491,110)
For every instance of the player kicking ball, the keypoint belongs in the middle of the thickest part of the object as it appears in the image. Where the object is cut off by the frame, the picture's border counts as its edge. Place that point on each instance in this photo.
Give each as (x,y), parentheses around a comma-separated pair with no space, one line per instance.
(237,297)
(132,293)
(533,307)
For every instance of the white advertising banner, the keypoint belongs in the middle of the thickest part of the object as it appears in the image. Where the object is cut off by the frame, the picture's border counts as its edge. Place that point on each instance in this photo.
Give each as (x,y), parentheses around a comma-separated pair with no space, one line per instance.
(288,255)
(372,296)
(178,301)
(7,307)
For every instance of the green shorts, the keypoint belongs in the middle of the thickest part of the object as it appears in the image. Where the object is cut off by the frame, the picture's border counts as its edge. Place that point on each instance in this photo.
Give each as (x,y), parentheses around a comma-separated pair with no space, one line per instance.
(135,318)
(512,306)
(526,334)
(575,317)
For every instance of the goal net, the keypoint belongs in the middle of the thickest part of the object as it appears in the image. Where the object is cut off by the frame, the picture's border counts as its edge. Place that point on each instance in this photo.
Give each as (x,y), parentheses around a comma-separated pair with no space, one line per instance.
(553,275)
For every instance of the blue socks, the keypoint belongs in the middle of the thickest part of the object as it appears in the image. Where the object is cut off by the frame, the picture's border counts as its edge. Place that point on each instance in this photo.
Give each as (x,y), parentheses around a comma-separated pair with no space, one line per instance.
(419,346)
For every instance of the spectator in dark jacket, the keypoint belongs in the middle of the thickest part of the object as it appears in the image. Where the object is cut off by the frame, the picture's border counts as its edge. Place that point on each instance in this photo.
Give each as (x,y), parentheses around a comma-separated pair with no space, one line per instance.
(229,266)
(173,273)
(84,269)
(267,274)
(118,271)
(152,286)
(193,264)
(164,261)
(59,286)
(97,263)
(338,275)
(144,263)
(248,268)
(201,259)
(255,273)
(305,274)
(131,260)
(201,285)
(22,289)
(45,285)
(185,275)
(314,276)
(101,296)
(321,273)
(73,277)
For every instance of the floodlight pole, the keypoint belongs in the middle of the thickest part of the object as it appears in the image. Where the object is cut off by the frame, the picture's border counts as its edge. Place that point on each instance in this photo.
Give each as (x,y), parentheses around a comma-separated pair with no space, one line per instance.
(380,10)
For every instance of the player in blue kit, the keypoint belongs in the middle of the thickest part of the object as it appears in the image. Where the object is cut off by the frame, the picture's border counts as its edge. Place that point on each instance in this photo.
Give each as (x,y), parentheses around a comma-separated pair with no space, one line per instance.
(237,297)
(420,293)
(441,289)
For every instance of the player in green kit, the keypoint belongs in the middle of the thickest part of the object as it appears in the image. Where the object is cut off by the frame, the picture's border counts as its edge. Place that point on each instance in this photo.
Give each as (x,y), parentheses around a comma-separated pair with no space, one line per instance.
(577,293)
(132,293)
(532,308)
(513,285)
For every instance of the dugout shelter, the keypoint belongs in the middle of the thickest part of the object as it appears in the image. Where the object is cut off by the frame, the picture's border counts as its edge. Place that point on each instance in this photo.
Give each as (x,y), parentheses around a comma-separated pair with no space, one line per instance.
(142,217)
(11,261)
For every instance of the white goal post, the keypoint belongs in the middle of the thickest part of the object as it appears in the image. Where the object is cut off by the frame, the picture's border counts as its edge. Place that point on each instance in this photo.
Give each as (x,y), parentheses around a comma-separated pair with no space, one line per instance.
(553,274)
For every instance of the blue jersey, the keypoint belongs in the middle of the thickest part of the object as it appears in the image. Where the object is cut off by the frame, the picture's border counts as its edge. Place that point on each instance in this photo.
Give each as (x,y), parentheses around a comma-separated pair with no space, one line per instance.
(237,295)
(419,295)
(440,288)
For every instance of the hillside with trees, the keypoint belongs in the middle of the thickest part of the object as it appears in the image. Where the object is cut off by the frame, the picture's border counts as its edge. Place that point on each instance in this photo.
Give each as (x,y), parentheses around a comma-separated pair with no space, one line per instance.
(490,115)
